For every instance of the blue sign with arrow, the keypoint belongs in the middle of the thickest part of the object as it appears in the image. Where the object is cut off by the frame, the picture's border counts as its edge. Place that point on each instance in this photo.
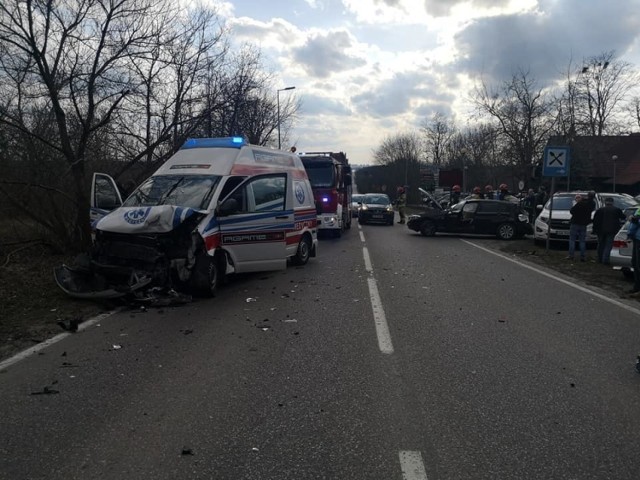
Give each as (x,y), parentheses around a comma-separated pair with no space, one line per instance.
(556,161)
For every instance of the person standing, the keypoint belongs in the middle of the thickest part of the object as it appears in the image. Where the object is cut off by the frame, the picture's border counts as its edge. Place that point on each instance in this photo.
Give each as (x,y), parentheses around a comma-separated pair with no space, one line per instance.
(477,193)
(455,195)
(505,195)
(580,218)
(606,223)
(489,194)
(529,204)
(541,196)
(401,203)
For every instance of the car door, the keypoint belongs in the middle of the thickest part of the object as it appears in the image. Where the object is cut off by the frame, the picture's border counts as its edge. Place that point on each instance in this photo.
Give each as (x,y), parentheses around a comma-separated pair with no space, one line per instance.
(105,196)
(254,232)
(489,215)
(453,218)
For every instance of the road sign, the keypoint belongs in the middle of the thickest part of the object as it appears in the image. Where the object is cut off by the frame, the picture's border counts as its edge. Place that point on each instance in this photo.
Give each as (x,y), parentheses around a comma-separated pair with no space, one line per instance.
(556,161)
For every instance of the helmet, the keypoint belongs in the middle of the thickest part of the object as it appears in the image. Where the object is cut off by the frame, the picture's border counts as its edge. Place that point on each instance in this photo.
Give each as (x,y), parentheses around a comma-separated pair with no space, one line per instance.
(455,188)
(503,186)
(476,189)
(488,188)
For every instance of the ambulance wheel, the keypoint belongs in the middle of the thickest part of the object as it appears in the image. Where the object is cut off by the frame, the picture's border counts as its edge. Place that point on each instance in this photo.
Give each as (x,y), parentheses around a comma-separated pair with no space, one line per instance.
(205,276)
(303,252)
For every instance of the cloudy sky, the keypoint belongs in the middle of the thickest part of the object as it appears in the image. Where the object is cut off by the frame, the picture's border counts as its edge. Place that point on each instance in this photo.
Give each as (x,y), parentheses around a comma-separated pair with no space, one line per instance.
(367,69)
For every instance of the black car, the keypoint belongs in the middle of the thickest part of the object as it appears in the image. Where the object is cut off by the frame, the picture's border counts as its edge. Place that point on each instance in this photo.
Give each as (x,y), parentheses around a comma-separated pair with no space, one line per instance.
(501,218)
(375,208)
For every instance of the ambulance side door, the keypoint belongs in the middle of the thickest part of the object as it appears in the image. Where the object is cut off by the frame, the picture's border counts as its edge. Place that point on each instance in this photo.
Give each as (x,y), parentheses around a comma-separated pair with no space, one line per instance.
(253,223)
(105,196)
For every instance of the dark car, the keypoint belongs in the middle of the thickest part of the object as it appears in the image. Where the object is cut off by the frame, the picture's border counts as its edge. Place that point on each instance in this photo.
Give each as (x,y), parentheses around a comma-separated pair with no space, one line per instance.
(376,208)
(503,219)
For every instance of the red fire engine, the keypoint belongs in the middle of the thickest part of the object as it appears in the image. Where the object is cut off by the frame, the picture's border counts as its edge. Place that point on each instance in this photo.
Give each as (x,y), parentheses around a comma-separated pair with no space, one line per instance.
(330,177)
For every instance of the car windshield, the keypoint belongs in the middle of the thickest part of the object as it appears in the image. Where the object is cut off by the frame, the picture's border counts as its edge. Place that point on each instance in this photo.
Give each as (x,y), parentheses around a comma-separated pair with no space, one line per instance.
(562,202)
(622,202)
(192,191)
(320,174)
(376,200)
(357,198)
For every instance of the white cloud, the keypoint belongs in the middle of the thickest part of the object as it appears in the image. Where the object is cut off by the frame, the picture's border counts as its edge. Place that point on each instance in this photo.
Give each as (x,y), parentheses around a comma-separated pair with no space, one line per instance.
(365,69)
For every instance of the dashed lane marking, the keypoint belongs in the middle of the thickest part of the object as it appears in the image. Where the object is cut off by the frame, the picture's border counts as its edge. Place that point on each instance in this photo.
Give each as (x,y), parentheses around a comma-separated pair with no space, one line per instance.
(412,465)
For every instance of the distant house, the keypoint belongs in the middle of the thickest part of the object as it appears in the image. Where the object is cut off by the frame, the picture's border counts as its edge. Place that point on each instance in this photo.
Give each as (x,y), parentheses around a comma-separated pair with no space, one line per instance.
(600,162)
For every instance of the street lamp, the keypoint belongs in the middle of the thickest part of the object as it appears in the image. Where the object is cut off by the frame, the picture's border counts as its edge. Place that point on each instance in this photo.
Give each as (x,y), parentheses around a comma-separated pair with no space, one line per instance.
(615,159)
(278,98)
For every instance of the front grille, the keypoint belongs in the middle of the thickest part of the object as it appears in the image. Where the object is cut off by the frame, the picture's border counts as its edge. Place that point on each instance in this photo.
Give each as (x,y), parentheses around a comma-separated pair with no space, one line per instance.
(560,224)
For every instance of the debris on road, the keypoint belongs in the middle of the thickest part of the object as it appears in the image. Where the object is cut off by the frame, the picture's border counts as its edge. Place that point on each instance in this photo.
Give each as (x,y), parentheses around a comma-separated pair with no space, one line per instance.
(46,391)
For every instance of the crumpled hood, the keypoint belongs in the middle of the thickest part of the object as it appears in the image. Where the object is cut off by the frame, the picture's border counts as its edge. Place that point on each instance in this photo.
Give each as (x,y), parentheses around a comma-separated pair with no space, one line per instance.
(159,219)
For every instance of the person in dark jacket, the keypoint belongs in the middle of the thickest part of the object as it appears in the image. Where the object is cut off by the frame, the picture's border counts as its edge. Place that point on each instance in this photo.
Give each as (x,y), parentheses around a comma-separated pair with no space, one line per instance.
(606,223)
(580,218)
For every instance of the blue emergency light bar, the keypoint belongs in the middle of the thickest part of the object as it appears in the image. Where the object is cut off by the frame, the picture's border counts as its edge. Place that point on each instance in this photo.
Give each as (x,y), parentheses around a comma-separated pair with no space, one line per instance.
(221,142)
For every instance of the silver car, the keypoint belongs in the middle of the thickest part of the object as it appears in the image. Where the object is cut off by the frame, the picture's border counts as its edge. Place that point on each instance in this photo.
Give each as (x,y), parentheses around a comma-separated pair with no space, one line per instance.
(561,218)
(356,198)
(620,257)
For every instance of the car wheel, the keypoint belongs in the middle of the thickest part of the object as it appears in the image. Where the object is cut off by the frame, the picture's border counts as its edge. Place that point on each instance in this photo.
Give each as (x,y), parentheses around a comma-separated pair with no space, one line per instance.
(506,231)
(205,275)
(428,228)
(303,252)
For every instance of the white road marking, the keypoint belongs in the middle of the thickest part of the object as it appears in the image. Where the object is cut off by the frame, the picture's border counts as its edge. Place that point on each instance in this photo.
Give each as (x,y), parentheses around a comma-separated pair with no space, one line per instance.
(367,260)
(361,236)
(382,328)
(412,466)
(557,279)
(41,346)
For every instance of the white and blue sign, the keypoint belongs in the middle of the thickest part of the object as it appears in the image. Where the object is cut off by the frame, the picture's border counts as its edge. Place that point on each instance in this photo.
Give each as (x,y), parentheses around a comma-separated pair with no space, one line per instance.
(556,161)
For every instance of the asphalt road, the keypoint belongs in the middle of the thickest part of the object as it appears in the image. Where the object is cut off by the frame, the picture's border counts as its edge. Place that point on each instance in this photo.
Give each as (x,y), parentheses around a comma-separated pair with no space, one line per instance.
(389,356)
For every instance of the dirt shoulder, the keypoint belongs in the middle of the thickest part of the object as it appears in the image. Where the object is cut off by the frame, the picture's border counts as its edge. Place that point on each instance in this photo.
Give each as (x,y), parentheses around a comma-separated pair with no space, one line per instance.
(33,305)
(31,302)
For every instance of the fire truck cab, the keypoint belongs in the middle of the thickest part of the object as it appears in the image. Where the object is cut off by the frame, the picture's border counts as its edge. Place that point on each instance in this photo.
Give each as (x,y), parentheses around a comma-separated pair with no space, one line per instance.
(330,177)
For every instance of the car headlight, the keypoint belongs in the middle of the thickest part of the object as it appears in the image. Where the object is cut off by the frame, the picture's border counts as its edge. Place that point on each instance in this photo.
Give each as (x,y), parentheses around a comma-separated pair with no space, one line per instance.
(523,217)
(389,209)
(363,207)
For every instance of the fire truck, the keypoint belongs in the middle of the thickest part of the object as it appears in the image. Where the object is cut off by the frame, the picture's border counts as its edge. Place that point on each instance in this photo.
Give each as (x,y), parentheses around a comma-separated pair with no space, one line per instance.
(330,177)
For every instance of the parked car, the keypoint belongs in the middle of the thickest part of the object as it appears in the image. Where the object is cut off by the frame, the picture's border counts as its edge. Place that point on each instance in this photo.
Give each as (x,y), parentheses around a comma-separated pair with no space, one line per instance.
(356,198)
(505,220)
(621,252)
(561,217)
(376,208)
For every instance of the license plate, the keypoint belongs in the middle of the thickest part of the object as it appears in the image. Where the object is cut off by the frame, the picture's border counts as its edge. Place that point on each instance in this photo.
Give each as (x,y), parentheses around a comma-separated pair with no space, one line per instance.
(377,216)
(564,233)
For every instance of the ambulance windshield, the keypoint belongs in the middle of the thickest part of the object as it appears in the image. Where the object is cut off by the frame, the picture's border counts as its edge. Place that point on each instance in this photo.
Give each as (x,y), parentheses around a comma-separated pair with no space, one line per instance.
(192,191)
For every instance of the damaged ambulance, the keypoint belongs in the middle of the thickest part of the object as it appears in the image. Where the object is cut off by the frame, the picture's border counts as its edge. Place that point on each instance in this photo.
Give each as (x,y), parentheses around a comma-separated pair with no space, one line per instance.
(218,206)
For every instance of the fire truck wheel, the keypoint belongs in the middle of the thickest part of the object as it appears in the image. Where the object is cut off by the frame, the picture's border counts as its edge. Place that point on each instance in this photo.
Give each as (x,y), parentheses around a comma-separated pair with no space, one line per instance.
(205,275)
(303,252)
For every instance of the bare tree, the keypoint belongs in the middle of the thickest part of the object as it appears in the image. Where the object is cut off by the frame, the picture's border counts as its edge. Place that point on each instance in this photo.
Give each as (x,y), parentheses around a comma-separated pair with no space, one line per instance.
(72,59)
(402,153)
(601,88)
(523,112)
(438,131)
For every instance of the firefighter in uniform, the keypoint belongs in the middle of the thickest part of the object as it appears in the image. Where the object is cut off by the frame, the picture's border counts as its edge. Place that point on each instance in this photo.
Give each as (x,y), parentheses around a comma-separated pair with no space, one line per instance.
(401,203)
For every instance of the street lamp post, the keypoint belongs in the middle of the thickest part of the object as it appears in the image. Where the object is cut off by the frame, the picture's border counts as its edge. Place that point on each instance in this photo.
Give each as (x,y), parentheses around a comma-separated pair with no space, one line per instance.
(615,159)
(278,100)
